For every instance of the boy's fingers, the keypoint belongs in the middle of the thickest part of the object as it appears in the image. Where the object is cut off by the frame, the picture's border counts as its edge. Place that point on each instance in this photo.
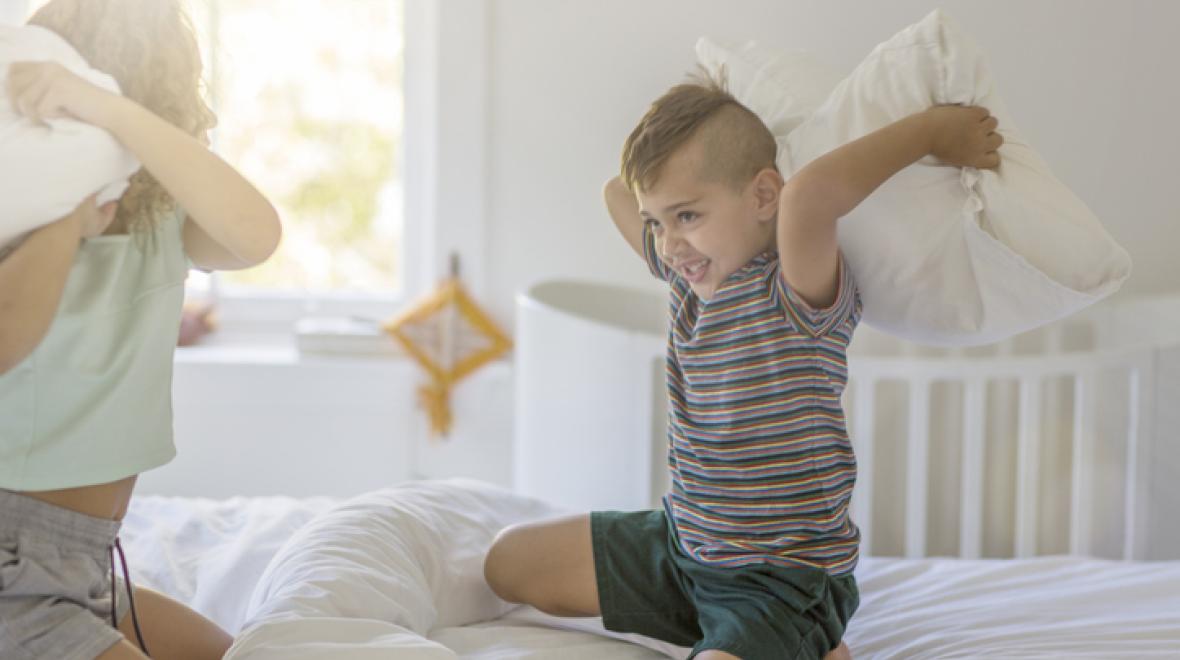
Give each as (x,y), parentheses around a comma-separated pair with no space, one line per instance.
(32,101)
(994,141)
(48,107)
(990,161)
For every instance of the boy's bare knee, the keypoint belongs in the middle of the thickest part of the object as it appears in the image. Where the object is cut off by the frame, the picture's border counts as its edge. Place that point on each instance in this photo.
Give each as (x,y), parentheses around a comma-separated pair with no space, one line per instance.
(501,566)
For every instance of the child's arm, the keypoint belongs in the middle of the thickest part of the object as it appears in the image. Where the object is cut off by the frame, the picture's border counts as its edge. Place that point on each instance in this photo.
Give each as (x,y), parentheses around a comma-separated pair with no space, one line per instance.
(624,211)
(831,186)
(235,226)
(33,276)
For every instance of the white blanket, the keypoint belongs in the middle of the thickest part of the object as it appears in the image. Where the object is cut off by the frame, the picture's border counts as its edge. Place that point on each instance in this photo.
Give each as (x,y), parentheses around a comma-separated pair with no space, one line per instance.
(210,553)
(397,570)
(395,574)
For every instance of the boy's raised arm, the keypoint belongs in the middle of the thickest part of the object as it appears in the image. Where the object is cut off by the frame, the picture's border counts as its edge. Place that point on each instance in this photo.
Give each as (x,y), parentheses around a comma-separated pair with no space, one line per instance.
(831,186)
(624,211)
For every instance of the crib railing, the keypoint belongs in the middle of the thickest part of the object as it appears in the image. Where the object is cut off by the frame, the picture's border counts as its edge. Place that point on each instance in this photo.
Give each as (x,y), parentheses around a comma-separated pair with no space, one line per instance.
(1083,369)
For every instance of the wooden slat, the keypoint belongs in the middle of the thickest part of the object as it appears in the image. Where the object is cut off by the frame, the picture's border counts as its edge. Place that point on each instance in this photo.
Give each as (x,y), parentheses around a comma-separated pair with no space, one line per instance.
(1139,429)
(917,470)
(1028,455)
(971,494)
(1081,500)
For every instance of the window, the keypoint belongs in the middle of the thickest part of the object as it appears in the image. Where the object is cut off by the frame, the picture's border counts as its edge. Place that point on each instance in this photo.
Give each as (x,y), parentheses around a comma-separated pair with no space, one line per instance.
(310,108)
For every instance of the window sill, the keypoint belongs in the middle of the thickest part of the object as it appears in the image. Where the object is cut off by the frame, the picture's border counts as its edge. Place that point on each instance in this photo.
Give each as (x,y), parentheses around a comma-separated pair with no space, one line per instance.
(272,348)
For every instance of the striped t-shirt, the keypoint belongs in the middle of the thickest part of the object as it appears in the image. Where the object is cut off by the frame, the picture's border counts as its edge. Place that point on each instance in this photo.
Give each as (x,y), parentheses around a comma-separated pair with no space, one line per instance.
(762,468)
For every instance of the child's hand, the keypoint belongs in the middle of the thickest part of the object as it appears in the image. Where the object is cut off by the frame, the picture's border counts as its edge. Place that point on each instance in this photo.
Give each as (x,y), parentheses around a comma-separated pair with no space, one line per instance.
(47,90)
(92,220)
(964,136)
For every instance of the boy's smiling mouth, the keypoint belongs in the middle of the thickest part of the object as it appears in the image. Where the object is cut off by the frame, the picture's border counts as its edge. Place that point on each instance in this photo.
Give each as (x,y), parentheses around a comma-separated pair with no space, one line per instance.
(694,271)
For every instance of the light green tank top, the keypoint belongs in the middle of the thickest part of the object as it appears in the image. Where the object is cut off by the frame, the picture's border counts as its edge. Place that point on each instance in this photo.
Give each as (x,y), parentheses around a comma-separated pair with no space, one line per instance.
(93,402)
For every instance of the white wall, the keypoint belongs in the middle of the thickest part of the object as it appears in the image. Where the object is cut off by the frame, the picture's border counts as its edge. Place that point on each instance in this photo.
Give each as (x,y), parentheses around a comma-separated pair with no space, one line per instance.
(280,424)
(1091,84)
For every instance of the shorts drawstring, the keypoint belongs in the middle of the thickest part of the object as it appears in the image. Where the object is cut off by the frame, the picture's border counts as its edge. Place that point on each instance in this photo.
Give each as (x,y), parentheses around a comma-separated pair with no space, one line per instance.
(130,596)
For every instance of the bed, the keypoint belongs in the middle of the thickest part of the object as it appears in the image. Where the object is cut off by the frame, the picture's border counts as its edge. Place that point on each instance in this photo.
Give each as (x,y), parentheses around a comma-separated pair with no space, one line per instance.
(395,573)
(1012,500)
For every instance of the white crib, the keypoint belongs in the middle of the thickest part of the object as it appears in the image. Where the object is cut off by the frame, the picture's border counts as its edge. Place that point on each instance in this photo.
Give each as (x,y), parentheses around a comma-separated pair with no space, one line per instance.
(1098,383)
(1053,442)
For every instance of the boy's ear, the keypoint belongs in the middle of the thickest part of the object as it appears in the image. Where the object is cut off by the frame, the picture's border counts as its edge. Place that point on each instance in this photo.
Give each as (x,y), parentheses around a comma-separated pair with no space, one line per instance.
(767,185)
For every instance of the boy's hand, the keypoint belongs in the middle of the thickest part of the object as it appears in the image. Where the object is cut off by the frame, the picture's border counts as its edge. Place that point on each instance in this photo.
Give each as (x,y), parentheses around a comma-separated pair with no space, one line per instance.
(964,136)
(48,90)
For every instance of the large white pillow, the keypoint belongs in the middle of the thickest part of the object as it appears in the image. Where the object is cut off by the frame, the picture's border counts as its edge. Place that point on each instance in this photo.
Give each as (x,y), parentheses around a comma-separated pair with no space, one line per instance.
(944,255)
(783,88)
(49,170)
(374,577)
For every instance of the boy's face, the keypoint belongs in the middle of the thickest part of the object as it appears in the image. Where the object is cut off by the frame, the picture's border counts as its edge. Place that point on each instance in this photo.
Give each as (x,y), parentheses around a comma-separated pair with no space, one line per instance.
(704,230)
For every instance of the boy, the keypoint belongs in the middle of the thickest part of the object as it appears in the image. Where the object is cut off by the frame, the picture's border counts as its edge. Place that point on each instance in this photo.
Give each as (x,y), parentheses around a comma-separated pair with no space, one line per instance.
(752,555)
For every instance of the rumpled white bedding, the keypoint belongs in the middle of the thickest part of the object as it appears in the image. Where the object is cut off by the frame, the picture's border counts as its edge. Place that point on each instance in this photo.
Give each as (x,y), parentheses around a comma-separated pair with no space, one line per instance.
(395,574)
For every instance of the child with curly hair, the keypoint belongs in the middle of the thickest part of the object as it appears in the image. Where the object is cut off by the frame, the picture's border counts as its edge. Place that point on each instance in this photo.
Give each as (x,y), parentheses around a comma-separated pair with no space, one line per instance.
(91,307)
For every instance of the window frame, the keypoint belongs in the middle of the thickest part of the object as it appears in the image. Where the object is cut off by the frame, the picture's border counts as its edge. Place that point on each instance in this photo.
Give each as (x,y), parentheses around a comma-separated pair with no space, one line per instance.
(444,130)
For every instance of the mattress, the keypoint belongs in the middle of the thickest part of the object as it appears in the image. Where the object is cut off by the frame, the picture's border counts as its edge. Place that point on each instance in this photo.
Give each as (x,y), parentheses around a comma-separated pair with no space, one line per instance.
(396,574)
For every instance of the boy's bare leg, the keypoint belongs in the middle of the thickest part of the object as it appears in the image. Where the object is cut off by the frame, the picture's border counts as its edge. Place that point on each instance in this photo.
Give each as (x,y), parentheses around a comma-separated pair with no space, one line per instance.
(549,565)
(171,631)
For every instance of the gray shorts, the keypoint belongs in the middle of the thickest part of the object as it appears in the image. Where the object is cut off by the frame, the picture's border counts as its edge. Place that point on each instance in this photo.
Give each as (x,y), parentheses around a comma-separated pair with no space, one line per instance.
(55,582)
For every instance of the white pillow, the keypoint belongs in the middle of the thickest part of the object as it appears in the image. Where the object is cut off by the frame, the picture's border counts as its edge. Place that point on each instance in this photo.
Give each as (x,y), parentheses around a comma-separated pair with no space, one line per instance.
(782,88)
(953,256)
(375,576)
(49,171)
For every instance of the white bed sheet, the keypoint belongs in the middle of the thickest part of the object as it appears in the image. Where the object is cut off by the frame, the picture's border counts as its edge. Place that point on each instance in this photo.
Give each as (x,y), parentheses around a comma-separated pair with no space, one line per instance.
(211,555)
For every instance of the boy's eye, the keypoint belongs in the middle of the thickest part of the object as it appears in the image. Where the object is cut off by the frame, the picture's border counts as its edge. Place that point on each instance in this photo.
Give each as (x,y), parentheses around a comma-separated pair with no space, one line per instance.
(686,216)
(654,224)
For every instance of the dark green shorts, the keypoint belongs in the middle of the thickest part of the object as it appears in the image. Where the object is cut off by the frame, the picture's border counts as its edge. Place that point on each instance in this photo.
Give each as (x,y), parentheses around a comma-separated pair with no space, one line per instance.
(647,585)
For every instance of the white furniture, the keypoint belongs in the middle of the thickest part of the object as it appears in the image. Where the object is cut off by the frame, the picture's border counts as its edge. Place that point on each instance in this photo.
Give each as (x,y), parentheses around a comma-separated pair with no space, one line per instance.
(396,574)
(590,420)
(1055,441)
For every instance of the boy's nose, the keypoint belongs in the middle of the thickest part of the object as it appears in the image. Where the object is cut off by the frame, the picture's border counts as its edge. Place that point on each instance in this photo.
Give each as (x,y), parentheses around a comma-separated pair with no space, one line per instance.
(673,245)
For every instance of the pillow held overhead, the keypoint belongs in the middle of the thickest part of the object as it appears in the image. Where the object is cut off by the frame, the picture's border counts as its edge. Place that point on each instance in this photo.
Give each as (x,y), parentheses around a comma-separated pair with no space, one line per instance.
(48,171)
(944,255)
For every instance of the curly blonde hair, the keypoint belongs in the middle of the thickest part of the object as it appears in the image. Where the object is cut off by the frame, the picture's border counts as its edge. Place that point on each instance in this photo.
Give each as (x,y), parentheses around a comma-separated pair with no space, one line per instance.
(150,48)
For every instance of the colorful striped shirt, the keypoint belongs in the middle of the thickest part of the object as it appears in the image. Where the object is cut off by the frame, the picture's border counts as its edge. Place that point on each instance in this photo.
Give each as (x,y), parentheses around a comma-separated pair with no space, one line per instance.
(761,465)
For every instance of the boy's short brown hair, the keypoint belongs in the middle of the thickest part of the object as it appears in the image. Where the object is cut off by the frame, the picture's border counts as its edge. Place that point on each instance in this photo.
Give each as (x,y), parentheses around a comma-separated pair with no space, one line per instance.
(737,144)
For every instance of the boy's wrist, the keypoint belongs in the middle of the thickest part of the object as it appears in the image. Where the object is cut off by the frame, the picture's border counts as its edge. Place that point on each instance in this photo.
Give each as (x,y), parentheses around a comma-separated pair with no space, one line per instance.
(925,129)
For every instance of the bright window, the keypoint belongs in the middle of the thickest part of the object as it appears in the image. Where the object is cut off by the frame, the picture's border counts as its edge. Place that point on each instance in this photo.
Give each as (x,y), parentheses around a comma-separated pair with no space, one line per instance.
(310,106)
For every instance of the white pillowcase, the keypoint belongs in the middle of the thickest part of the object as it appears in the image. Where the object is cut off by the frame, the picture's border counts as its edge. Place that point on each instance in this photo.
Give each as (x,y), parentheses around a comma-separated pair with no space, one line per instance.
(782,88)
(375,576)
(944,255)
(48,171)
